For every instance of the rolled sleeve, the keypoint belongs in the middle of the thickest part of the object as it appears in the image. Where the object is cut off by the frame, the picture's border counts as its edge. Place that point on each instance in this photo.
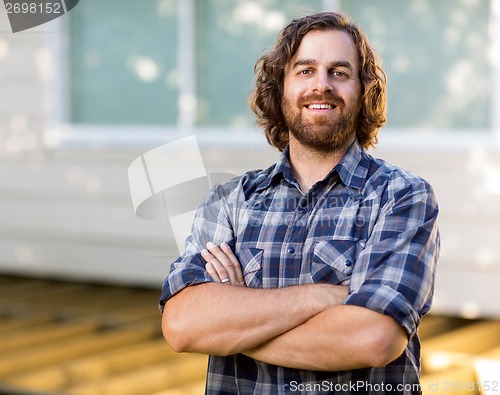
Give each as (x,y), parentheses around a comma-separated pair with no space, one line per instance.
(183,273)
(211,223)
(394,274)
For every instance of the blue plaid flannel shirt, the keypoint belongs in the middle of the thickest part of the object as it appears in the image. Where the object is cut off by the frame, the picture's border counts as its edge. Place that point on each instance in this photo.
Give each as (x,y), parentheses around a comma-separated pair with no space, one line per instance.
(367,224)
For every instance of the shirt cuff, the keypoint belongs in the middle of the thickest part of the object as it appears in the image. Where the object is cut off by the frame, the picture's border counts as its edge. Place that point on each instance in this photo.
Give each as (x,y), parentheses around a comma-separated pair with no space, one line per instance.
(174,284)
(386,300)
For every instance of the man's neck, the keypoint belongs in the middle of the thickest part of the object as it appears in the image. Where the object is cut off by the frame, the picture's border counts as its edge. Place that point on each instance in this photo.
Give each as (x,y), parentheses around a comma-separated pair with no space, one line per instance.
(310,166)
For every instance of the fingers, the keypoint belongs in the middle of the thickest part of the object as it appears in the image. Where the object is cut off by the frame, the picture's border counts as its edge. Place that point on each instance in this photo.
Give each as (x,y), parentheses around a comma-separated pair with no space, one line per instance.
(222,265)
(219,261)
(211,269)
(211,265)
(235,264)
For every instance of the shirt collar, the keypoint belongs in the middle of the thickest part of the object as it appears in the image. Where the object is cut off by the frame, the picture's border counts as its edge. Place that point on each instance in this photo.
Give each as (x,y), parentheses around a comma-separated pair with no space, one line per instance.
(281,167)
(352,168)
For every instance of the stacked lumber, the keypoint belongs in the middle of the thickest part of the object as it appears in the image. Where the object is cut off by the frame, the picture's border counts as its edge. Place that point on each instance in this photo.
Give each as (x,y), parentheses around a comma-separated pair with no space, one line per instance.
(68,338)
(88,339)
(463,360)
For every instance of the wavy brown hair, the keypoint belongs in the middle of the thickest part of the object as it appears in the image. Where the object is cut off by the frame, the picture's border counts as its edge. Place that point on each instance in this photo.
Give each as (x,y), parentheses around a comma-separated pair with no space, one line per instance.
(267,96)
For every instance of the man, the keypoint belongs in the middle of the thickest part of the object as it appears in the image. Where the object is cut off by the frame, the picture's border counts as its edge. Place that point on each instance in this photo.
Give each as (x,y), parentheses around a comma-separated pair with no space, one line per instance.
(311,276)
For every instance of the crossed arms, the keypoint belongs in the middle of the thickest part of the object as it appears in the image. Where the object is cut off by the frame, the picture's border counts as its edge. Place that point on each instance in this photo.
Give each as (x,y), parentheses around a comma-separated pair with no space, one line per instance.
(303,327)
(309,326)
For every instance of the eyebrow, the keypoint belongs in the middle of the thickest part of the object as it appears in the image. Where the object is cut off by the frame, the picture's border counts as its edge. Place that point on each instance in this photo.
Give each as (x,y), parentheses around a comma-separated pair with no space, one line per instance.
(312,62)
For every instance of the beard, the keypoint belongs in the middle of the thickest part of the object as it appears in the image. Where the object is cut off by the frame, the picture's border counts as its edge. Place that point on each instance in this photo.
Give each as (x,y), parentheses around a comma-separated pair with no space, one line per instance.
(322,133)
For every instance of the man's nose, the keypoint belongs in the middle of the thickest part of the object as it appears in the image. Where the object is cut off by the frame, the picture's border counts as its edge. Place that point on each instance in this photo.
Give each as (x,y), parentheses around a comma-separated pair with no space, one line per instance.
(322,82)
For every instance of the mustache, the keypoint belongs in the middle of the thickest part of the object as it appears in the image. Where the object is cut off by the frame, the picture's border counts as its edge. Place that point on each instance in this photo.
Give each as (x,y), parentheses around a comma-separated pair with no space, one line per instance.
(328,98)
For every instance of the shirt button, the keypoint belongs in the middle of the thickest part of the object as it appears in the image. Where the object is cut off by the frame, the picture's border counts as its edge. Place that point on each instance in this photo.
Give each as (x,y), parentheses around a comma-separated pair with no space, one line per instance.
(291,250)
(348,263)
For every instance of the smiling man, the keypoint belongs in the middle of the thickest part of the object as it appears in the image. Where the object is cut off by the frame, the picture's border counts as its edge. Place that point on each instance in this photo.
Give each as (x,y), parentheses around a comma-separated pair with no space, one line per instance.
(310,276)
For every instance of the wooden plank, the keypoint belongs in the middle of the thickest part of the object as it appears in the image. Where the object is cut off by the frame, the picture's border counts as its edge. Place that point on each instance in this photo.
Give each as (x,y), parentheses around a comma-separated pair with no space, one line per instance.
(8,324)
(433,325)
(118,315)
(20,290)
(49,293)
(47,333)
(152,378)
(460,346)
(492,354)
(36,357)
(88,369)
(59,297)
(115,315)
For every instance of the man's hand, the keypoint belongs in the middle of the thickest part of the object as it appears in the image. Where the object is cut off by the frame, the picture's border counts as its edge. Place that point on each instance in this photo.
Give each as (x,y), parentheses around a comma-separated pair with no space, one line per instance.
(222,265)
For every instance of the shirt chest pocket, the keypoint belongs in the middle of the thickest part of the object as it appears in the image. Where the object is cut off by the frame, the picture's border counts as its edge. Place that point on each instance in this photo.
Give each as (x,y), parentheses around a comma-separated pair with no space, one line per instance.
(333,261)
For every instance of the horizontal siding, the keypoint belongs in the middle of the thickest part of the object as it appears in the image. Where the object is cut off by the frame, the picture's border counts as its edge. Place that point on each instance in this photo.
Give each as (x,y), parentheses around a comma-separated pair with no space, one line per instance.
(99,261)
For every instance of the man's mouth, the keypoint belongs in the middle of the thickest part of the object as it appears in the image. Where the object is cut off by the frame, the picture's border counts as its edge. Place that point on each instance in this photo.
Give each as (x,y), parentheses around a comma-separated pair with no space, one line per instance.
(321,106)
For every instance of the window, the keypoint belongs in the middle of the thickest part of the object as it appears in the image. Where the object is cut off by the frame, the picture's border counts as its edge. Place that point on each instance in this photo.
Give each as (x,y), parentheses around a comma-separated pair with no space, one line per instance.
(123,62)
(125,65)
(435,55)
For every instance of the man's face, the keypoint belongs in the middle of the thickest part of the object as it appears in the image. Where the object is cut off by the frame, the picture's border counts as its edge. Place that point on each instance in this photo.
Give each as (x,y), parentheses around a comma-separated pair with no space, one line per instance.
(322,90)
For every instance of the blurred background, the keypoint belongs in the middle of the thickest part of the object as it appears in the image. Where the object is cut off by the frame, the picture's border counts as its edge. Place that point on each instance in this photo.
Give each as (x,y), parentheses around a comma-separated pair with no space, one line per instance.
(85,95)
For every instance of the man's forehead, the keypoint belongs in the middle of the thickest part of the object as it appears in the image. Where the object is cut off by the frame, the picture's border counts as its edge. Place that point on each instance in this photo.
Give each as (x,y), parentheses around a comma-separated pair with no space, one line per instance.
(331,45)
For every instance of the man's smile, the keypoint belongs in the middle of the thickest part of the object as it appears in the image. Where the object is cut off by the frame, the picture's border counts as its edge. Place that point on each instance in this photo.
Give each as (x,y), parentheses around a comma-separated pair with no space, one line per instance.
(321,106)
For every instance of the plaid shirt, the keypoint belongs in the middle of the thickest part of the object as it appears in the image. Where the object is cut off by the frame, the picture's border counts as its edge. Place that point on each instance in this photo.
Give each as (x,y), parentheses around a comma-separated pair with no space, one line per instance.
(367,224)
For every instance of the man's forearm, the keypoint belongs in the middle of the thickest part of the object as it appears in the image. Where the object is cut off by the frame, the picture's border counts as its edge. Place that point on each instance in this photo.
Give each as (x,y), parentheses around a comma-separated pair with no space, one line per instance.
(339,338)
(222,319)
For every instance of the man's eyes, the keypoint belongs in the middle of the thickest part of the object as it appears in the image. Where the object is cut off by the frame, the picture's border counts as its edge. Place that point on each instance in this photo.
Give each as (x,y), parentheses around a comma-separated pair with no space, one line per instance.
(335,73)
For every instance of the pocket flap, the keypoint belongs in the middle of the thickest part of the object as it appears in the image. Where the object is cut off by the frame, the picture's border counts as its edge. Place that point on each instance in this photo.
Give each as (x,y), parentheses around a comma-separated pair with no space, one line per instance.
(333,260)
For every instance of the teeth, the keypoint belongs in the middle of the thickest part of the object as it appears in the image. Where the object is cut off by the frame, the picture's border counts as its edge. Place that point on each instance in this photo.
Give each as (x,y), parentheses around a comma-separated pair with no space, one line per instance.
(320,106)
